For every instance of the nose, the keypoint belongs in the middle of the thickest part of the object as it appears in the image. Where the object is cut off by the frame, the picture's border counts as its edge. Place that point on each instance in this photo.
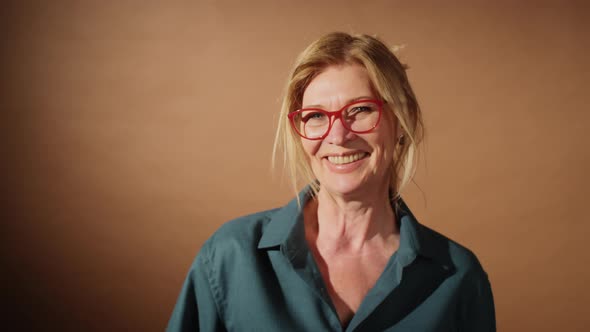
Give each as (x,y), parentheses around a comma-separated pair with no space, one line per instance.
(338,133)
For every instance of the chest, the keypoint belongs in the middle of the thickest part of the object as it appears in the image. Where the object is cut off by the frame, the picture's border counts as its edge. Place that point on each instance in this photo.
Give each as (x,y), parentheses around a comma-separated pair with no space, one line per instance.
(276,293)
(348,280)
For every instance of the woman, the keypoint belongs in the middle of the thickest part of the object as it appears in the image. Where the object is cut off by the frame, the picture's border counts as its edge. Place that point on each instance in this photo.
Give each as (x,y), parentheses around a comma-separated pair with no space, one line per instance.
(347,254)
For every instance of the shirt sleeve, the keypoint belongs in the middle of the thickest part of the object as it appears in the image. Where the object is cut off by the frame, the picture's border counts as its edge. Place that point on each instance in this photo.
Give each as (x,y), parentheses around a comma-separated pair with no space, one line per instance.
(477,310)
(196,308)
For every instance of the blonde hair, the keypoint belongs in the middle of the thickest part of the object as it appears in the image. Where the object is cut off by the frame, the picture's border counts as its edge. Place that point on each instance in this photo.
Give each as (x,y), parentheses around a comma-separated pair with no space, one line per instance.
(390,82)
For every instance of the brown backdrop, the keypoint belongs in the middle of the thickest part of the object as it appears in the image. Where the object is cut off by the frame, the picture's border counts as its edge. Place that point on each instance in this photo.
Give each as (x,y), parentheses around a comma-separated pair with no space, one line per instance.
(133,129)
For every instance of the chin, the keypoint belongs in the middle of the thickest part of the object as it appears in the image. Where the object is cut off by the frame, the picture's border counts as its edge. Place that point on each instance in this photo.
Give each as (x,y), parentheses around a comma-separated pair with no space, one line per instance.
(343,186)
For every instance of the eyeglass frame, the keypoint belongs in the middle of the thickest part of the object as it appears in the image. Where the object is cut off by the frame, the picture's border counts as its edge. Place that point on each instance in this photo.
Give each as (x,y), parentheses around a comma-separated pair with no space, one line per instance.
(335,115)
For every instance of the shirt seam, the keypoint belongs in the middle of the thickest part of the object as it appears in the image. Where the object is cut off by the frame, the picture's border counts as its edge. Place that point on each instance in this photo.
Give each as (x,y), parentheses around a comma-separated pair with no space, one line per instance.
(468,288)
(213,286)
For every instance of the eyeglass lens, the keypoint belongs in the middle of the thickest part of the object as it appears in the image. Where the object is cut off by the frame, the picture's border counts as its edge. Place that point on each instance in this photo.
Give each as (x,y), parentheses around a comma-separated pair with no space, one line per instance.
(357,117)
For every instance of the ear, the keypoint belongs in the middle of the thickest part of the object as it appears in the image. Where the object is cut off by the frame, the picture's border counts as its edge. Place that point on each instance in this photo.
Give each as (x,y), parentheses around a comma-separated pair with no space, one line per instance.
(401,139)
(401,134)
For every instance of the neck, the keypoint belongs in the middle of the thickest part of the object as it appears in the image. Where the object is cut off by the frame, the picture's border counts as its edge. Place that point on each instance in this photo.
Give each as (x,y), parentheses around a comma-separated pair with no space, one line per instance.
(340,225)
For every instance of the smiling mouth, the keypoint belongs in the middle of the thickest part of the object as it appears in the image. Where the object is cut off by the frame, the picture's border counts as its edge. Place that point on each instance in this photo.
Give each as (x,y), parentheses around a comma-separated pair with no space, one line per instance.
(341,160)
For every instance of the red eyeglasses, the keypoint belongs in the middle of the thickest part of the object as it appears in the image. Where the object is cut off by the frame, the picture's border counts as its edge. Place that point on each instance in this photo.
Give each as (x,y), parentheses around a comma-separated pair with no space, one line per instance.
(361,116)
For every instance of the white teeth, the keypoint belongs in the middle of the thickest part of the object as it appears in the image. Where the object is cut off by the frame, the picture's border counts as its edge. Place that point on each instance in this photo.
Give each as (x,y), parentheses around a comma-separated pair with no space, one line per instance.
(339,160)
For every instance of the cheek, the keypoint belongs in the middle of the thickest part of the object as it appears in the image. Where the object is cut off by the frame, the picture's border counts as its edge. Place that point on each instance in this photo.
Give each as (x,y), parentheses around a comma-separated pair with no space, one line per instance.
(383,158)
(387,140)
(385,146)
(388,156)
(310,147)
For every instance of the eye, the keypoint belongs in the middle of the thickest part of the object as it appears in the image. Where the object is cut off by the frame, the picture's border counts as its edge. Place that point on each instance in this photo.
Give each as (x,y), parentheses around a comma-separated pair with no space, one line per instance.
(312,116)
(361,110)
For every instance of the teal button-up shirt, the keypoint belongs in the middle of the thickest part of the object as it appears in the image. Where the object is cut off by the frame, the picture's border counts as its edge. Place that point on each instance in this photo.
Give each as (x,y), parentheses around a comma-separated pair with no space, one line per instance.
(256,273)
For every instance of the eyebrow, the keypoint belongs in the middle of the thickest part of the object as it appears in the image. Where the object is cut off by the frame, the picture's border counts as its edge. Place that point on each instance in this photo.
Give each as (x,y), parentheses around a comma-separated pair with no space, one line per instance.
(348,102)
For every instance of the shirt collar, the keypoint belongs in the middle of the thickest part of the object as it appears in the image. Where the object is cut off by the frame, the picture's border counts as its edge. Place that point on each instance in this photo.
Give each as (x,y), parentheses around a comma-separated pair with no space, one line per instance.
(282,224)
(415,239)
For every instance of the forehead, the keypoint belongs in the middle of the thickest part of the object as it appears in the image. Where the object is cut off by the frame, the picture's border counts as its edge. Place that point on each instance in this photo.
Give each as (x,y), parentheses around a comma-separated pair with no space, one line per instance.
(338,84)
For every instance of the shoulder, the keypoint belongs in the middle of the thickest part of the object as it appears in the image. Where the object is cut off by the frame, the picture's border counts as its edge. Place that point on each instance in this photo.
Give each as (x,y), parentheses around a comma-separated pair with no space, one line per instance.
(450,253)
(462,259)
(467,280)
(239,235)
